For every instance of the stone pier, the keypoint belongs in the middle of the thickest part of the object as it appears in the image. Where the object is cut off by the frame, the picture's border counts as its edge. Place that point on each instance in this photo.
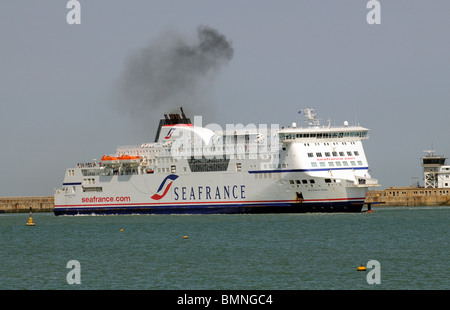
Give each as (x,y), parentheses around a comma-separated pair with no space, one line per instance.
(23,204)
(409,197)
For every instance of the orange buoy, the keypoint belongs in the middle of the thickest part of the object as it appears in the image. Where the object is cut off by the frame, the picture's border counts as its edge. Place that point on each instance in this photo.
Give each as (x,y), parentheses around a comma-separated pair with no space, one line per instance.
(361,268)
(185,237)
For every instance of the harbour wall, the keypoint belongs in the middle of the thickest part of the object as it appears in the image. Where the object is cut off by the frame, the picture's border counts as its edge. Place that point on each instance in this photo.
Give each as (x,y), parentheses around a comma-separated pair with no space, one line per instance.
(23,204)
(409,196)
(391,196)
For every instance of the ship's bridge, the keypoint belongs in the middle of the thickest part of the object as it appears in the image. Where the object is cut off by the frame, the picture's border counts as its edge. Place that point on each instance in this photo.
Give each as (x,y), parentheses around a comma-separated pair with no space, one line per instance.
(315,131)
(348,133)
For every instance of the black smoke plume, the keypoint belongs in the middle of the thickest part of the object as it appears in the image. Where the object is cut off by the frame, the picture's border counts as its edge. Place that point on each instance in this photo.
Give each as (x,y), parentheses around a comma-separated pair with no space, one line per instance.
(173,72)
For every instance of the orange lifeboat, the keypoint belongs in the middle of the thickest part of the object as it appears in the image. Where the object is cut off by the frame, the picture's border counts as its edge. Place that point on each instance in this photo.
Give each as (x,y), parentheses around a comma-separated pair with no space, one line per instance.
(107,158)
(130,160)
(110,161)
(128,157)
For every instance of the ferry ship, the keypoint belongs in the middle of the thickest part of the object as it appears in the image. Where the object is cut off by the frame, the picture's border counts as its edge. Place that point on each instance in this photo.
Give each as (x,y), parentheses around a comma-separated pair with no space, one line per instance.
(191,169)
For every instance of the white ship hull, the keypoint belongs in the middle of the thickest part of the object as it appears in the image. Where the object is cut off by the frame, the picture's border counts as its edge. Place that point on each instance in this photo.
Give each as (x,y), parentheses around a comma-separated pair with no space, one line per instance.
(162,183)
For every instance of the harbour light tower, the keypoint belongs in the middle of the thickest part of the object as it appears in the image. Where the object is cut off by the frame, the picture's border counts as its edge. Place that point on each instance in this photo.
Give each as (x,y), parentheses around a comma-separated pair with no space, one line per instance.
(432,165)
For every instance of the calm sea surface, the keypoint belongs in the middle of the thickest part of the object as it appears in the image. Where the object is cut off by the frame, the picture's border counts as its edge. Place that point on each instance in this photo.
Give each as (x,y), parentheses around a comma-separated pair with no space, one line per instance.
(273,251)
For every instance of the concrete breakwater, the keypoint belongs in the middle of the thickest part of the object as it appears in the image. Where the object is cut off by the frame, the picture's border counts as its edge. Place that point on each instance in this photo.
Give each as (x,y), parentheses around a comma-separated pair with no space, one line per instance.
(23,204)
(391,196)
(409,196)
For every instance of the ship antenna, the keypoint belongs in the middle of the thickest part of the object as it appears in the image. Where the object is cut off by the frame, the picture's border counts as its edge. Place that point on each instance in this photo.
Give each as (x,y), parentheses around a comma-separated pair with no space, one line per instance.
(182,113)
(310,115)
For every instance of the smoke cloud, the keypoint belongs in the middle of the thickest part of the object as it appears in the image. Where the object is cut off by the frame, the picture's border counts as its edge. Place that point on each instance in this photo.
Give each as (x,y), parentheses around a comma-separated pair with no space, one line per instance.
(172,72)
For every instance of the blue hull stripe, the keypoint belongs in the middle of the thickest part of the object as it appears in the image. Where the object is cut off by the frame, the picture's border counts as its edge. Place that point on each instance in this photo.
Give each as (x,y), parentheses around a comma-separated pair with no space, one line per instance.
(307,170)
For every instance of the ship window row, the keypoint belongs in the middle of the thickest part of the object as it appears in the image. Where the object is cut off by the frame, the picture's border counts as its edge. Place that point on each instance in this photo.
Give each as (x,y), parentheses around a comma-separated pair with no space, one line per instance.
(328,143)
(163,160)
(324,135)
(335,154)
(312,181)
(172,169)
(337,163)
(276,176)
(274,166)
(88,181)
(69,189)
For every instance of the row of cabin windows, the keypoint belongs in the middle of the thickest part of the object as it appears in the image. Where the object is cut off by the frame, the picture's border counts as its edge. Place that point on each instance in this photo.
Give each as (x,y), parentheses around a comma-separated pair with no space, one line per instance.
(311,181)
(324,135)
(88,181)
(173,169)
(337,163)
(335,154)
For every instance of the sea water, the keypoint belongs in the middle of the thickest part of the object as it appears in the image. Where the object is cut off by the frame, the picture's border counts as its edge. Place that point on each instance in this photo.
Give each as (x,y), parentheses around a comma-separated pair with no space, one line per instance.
(228,252)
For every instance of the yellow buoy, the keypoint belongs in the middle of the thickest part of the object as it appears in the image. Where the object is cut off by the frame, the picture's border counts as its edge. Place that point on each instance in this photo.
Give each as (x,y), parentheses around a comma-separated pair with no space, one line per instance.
(121,229)
(30,222)
(361,268)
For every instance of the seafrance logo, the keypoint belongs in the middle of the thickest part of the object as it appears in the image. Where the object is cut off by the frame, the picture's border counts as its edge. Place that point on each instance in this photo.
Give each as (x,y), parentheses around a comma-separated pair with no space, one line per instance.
(170,133)
(164,187)
(224,192)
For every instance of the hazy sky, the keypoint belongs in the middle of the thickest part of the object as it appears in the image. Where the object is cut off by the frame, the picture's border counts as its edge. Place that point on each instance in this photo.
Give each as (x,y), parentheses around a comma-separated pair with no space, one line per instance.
(58,82)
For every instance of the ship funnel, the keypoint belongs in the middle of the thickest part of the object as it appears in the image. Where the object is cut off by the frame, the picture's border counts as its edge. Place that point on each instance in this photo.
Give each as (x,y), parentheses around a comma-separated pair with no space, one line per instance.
(171,119)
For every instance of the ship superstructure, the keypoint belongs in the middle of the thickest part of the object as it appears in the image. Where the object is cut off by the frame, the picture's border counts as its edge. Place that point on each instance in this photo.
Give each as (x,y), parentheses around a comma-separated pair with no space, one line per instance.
(192,169)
